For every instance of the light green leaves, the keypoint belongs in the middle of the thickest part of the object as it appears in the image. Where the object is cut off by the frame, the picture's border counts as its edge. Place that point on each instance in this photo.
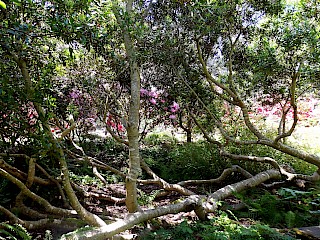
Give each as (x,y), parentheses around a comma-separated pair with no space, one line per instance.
(3,5)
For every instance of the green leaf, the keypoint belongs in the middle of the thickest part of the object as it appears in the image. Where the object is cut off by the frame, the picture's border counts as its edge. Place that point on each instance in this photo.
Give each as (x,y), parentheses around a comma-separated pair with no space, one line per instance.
(3,5)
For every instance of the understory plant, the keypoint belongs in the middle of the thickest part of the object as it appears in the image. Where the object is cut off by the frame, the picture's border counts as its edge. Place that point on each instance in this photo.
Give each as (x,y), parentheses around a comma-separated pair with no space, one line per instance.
(287,207)
(14,232)
(177,162)
(220,227)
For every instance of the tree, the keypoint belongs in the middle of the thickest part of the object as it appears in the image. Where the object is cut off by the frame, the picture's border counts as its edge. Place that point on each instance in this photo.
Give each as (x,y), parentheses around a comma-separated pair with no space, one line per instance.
(216,60)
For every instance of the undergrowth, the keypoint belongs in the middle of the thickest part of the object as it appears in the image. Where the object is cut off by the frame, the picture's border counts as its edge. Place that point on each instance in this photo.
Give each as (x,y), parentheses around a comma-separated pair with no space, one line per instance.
(285,208)
(13,232)
(217,228)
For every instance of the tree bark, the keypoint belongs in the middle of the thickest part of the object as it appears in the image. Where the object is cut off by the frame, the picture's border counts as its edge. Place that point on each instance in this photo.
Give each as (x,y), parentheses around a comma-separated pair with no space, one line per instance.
(197,203)
(132,219)
(133,115)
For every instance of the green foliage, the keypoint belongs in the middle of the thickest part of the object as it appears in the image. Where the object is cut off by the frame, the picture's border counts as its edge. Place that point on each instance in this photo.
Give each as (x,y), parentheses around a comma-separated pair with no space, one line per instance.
(178,162)
(221,227)
(14,232)
(147,198)
(289,207)
(197,161)
(85,179)
(3,5)
(158,139)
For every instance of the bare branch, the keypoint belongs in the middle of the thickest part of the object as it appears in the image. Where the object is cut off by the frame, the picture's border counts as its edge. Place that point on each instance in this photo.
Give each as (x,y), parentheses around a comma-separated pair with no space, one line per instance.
(35,197)
(222,193)
(209,76)
(164,184)
(223,176)
(18,173)
(293,103)
(189,204)
(63,196)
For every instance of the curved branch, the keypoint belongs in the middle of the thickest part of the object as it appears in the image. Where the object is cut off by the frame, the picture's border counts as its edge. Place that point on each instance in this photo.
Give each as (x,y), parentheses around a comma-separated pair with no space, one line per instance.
(18,173)
(223,176)
(35,197)
(217,122)
(63,196)
(98,175)
(209,76)
(310,158)
(189,204)
(290,176)
(32,225)
(166,186)
(211,204)
(293,105)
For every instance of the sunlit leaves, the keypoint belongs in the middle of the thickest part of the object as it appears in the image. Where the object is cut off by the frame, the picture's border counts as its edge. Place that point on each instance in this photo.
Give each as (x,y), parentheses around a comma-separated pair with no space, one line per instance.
(3,5)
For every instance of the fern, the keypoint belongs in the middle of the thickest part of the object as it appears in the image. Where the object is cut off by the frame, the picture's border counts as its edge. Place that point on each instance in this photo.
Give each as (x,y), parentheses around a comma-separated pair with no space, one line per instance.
(7,234)
(15,232)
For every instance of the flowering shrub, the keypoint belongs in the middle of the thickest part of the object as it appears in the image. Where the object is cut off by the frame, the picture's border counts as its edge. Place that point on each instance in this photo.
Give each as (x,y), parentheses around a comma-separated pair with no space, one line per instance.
(115,124)
(81,106)
(306,109)
(153,99)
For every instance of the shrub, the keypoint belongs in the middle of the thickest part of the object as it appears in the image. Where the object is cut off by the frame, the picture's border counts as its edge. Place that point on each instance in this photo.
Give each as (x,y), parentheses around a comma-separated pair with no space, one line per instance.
(221,227)
(198,160)
(159,139)
(289,207)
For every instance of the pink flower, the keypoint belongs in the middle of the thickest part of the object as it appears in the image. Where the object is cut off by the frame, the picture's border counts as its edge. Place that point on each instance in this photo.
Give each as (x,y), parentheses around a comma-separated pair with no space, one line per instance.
(153,101)
(174,107)
(120,128)
(143,92)
(260,110)
(74,94)
(173,116)
(153,94)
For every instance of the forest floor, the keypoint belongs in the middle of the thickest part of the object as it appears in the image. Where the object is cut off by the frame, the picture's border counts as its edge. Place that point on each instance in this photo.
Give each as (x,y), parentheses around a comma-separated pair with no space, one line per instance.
(108,210)
(307,137)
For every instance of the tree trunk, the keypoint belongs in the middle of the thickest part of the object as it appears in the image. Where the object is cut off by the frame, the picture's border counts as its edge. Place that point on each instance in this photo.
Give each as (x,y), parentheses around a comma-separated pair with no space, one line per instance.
(133,115)
(189,136)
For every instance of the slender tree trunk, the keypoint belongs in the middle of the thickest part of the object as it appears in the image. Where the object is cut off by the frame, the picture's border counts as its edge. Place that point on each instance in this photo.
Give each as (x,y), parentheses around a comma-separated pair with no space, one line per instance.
(189,136)
(133,117)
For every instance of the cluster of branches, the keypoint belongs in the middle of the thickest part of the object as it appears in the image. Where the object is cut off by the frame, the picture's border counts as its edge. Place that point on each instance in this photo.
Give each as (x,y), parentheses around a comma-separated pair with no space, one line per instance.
(213,70)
